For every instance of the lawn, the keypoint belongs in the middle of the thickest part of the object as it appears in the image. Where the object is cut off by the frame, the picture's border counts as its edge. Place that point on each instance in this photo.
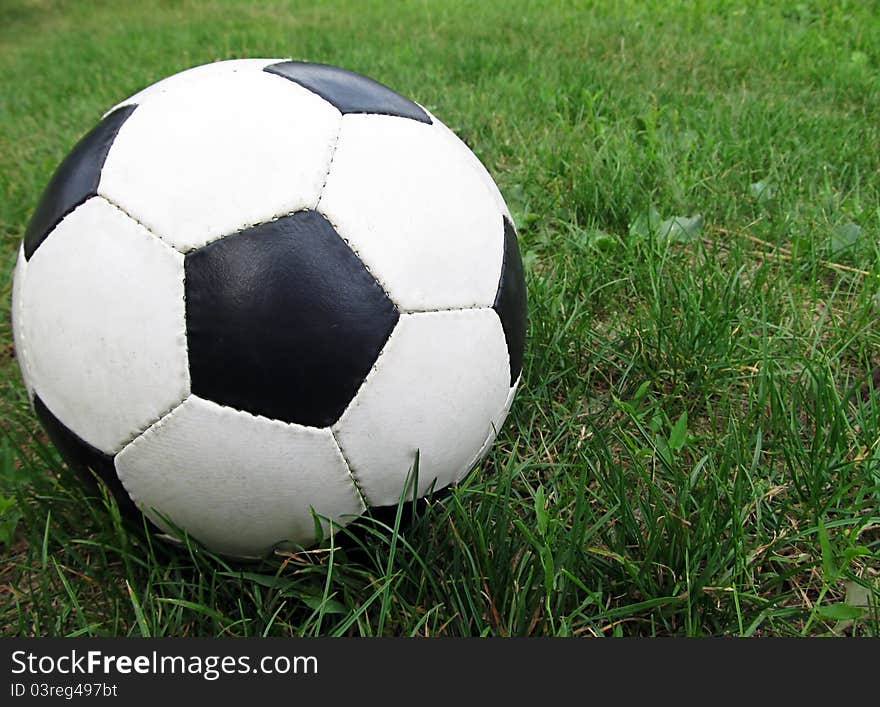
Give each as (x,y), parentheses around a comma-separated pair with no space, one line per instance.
(695,449)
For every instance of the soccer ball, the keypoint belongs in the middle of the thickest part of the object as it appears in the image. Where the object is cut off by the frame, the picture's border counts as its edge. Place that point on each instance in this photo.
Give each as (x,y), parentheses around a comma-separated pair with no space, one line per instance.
(257,291)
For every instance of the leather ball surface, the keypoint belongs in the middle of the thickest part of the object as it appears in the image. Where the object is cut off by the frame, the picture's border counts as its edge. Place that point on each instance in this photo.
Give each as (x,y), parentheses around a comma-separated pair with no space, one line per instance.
(257,290)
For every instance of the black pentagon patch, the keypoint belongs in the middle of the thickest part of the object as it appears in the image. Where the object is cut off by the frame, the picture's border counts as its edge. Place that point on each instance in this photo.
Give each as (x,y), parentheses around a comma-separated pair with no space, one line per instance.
(75,180)
(510,302)
(85,460)
(348,91)
(283,320)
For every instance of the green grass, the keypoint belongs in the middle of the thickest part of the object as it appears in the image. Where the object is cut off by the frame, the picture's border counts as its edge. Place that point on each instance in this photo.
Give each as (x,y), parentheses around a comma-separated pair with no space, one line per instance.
(696,445)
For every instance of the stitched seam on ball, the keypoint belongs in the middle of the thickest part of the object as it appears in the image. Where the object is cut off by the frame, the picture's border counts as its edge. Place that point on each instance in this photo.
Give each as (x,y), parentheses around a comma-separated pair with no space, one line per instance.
(91,195)
(139,223)
(256,416)
(368,374)
(472,308)
(185,337)
(354,480)
(155,423)
(27,375)
(497,301)
(381,285)
(496,305)
(189,248)
(330,163)
(336,228)
(388,342)
(187,383)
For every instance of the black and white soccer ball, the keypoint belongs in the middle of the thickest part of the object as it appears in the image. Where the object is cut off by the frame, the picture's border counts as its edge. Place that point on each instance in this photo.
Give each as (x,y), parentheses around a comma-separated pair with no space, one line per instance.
(256,290)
